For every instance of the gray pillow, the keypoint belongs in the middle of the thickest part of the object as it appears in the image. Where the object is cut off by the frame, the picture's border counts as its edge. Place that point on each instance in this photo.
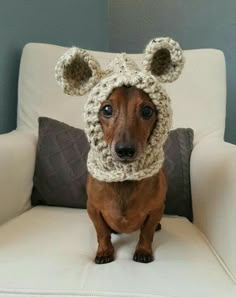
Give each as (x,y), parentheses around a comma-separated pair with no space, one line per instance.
(61,171)
(177,149)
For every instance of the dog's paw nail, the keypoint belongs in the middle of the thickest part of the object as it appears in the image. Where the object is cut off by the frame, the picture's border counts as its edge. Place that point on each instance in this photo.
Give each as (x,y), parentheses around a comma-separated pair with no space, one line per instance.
(142,258)
(103,259)
(158,228)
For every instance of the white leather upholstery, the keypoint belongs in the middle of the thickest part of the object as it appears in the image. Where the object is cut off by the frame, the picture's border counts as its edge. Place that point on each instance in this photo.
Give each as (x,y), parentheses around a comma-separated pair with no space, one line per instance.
(17,159)
(200,89)
(213,174)
(50,251)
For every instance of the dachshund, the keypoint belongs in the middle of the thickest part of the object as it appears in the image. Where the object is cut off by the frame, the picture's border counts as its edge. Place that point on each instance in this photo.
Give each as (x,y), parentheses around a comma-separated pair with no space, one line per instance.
(127,117)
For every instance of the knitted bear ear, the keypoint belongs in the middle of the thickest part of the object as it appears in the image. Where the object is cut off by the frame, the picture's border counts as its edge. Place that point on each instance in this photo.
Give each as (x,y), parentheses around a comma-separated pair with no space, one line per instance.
(77,72)
(164,59)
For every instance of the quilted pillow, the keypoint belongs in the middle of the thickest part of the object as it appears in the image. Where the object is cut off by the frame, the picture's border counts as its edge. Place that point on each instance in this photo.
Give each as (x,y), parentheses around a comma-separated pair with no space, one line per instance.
(177,149)
(61,171)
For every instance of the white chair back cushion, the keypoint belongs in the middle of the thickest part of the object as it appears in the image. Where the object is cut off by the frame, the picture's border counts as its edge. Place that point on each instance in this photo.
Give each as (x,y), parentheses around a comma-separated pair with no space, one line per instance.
(198,96)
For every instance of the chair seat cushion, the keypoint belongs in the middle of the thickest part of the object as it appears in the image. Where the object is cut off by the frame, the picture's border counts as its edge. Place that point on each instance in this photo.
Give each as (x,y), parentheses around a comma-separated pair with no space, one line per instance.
(49,251)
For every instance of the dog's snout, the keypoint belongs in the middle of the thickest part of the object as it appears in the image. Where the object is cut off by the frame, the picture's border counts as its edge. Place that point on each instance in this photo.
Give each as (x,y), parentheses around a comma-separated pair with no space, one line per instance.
(125,151)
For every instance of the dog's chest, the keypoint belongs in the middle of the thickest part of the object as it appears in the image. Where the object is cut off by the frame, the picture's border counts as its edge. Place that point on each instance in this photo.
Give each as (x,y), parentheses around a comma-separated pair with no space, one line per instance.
(123,217)
(126,212)
(126,205)
(124,194)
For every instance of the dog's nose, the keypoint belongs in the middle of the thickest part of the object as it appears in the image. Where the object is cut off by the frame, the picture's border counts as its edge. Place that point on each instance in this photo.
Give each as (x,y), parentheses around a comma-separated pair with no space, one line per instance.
(125,151)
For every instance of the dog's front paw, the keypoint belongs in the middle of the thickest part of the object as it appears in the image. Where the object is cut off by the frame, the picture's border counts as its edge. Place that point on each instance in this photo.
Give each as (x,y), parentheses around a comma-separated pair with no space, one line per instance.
(143,257)
(104,257)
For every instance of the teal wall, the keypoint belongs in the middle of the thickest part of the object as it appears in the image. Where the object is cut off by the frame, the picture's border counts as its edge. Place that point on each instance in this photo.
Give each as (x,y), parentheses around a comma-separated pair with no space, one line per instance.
(194,23)
(63,22)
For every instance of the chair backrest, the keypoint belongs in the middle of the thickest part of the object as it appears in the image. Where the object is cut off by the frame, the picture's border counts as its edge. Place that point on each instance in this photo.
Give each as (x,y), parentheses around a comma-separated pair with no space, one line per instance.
(198,96)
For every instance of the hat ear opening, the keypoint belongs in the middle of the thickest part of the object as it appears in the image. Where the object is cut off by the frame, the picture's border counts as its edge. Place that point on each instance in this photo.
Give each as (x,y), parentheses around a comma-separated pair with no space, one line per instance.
(161,62)
(77,72)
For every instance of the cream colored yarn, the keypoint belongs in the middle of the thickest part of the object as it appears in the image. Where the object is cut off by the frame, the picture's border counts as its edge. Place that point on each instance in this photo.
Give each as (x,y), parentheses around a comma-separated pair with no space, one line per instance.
(77,72)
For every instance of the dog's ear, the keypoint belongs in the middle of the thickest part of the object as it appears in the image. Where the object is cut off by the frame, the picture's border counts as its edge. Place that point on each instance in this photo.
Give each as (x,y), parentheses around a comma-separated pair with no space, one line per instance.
(77,72)
(164,59)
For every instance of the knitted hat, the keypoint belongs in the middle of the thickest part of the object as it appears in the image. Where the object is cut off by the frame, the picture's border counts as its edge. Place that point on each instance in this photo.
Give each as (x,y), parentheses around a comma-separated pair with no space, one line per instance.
(78,73)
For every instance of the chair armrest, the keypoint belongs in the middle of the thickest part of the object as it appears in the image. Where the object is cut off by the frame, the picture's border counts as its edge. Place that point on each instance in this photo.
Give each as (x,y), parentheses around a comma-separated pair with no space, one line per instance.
(213,182)
(17,160)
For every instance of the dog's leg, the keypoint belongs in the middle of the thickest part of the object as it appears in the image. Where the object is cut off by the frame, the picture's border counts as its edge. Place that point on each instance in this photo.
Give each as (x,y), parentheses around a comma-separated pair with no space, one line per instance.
(105,251)
(143,252)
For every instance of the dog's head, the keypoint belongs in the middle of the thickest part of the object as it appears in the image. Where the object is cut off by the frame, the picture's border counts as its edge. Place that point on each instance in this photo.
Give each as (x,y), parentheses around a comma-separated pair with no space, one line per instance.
(128,117)
(127,111)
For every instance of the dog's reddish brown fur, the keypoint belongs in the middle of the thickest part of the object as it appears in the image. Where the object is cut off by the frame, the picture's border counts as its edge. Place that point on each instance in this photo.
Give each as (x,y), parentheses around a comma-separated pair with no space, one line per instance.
(130,205)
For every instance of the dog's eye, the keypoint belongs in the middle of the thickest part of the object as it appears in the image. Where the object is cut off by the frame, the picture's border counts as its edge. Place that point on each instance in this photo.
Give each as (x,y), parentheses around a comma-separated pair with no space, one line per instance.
(107,111)
(146,112)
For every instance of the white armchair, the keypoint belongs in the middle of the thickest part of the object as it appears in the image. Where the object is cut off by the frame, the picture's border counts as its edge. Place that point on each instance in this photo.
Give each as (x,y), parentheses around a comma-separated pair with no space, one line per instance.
(17,158)
(49,251)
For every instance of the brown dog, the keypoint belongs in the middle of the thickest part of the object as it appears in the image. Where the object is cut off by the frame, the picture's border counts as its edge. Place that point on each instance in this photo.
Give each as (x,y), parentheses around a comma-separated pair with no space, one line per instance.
(127,117)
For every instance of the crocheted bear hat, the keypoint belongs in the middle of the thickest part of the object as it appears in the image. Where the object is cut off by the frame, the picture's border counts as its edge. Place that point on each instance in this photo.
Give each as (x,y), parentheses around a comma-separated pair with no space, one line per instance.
(78,73)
